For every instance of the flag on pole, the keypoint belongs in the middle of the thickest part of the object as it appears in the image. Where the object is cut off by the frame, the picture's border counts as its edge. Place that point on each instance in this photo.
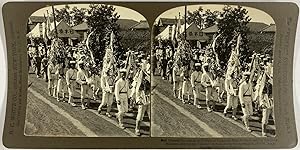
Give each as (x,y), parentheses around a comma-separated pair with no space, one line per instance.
(178,28)
(108,58)
(88,47)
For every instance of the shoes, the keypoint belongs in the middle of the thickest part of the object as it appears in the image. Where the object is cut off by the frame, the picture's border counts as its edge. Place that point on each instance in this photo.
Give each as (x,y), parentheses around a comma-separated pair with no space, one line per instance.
(108,115)
(198,106)
(99,111)
(137,132)
(248,129)
(234,118)
(73,104)
(209,109)
(121,125)
(83,107)
(264,134)
(225,114)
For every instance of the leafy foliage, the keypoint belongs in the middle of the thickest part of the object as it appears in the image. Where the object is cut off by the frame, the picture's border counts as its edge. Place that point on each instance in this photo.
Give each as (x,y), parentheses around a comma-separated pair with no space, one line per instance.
(196,17)
(102,20)
(233,21)
(72,16)
(202,18)
(210,18)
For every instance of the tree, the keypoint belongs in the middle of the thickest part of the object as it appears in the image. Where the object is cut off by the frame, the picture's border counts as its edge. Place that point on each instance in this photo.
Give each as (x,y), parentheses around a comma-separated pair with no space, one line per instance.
(233,21)
(78,15)
(196,17)
(210,18)
(72,16)
(63,14)
(102,20)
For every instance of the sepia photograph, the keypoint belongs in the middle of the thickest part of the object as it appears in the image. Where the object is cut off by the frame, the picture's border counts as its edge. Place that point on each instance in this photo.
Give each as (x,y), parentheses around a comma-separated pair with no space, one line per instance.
(212,72)
(88,72)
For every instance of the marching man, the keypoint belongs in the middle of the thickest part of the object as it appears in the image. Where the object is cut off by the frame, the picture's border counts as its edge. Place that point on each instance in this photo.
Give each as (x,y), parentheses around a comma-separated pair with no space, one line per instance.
(267,106)
(245,96)
(107,84)
(121,93)
(82,81)
(70,79)
(143,102)
(61,83)
(51,79)
(196,83)
(207,82)
(176,80)
(231,87)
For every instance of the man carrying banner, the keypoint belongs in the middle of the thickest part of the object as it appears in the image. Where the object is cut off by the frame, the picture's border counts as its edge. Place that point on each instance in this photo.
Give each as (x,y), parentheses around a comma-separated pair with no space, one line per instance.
(207,82)
(143,102)
(245,96)
(107,84)
(82,80)
(196,84)
(121,93)
(70,79)
(52,78)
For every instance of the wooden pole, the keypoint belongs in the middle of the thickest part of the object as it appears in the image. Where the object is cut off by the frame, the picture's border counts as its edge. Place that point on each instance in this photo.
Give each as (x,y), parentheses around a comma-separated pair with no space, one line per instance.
(185,11)
(54,20)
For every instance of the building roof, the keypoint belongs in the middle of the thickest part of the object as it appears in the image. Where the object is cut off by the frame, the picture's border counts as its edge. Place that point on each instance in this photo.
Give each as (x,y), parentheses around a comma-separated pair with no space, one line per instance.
(253,26)
(38,19)
(256,26)
(211,29)
(143,24)
(270,28)
(126,23)
(81,27)
(168,21)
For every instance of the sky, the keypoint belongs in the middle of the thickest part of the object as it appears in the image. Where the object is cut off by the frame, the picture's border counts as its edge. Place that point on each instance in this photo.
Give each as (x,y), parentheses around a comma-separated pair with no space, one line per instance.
(256,14)
(124,13)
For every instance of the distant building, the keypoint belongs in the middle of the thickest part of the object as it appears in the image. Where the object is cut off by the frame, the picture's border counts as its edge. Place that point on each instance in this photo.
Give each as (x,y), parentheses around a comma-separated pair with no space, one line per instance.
(64,32)
(126,24)
(34,20)
(164,22)
(82,29)
(195,36)
(142,25)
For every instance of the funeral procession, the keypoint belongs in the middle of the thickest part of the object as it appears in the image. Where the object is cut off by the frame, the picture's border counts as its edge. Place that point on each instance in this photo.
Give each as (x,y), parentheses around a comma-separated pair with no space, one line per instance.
(89,72)
(212,72)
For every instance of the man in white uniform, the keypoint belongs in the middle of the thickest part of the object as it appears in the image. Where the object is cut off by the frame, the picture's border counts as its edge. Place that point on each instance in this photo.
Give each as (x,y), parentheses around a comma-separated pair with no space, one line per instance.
(196,84)
(107,84)
(207,82)
(82,81)
(245,96)
(121,93)
(70,78)
(51,79)
(143,102)
(231,87)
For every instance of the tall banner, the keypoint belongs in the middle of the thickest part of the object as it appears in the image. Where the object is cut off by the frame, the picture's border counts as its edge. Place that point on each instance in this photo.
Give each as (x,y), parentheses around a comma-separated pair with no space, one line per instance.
(108,58)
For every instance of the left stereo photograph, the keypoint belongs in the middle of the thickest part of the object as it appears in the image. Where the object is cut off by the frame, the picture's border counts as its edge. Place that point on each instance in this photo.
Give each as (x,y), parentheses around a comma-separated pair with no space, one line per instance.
(88,72)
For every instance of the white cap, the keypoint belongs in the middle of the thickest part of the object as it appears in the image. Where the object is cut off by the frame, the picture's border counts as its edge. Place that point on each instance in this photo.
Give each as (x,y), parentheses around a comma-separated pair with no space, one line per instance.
(123,70)
(197,64)
(246,73)
(80,62)
(72,62)
(206,64)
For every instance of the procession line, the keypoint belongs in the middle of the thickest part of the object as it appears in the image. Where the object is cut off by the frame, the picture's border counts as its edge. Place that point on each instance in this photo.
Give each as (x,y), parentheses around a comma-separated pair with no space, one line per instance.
(234,122)
(200,123)
(112,122)
(130,115)
(85,130)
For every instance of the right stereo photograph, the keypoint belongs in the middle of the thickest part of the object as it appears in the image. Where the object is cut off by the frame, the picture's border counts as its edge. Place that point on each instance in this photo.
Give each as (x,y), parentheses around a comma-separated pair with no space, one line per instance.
(212,72)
